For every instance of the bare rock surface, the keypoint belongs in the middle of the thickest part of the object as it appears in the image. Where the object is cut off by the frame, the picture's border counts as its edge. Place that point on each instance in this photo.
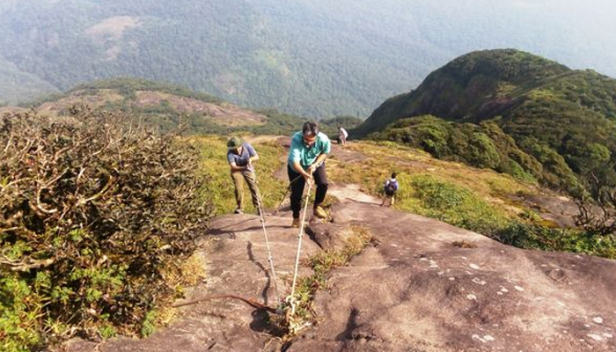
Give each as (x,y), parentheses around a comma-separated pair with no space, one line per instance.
(552,207)
(420,290)
(424,286)
(237,264)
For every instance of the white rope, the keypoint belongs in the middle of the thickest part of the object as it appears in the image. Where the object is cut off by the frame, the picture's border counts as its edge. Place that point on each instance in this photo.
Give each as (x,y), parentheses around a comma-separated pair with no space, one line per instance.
(299,249)
(270,258)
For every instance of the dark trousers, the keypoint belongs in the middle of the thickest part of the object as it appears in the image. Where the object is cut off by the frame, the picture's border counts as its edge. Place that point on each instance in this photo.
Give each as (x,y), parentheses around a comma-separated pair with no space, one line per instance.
(297,188)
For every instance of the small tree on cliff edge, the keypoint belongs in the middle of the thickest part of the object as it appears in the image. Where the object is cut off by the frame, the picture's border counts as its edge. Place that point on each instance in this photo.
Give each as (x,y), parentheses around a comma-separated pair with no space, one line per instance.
(597,211)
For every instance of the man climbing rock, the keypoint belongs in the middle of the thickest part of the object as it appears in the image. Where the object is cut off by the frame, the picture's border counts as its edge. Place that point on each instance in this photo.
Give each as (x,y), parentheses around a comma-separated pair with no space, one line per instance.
(306,163)
(240,156)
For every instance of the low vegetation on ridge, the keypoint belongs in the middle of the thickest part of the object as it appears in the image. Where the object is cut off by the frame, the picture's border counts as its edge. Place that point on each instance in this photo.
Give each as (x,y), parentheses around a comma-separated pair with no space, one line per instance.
(167,107)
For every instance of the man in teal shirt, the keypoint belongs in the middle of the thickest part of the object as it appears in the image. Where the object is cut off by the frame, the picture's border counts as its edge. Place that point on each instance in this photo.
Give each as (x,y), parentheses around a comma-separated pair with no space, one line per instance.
(306,163)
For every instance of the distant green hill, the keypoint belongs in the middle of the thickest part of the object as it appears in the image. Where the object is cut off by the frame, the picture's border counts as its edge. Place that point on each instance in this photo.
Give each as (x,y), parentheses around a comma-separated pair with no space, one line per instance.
(511,111)
(167,106)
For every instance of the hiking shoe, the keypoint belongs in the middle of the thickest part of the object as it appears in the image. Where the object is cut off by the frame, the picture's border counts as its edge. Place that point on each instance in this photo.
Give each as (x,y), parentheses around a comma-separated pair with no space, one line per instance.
(238,211)
(319,212)
(296,223)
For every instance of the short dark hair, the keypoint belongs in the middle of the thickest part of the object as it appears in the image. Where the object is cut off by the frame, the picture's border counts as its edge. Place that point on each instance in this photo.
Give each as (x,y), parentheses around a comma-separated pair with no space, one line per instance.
(310,128)
(393,175)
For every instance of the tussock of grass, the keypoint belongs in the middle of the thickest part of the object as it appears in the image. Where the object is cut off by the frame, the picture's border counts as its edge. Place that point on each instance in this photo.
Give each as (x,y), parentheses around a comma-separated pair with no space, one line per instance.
(464,244)
(322,263)
(193,270)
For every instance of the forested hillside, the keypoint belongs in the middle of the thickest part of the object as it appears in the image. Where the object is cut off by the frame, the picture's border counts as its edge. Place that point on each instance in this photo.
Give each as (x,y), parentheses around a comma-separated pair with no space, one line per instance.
(20,86)
(510,111)
(312,58)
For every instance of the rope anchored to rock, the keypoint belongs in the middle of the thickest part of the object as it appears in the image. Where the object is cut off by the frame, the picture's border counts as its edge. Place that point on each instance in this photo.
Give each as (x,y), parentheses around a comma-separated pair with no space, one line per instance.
(293,321)
(288,308)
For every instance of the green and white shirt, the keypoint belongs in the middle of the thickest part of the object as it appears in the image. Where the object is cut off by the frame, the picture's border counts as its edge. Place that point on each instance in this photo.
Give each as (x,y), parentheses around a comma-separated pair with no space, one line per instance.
(307,155)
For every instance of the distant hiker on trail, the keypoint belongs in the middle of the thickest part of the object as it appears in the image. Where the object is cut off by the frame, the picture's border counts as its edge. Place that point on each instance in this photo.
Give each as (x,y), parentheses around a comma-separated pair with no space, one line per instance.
(309,149)
(390,188)
(240,156)
(342,135)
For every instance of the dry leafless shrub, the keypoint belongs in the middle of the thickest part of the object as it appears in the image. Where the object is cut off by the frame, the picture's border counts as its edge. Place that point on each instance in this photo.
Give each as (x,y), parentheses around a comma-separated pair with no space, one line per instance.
(93,213)
(597,212)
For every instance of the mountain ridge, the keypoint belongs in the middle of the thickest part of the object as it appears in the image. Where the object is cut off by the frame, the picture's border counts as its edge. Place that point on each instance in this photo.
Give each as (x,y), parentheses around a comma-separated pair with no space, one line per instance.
(560,118)
(167,107)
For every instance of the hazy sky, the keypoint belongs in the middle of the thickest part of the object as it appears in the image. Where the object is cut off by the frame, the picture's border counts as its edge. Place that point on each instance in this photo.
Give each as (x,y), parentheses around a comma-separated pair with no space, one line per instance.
(580,34)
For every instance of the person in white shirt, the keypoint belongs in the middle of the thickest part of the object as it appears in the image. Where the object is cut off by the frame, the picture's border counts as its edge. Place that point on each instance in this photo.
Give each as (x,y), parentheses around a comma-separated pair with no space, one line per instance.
(342,135)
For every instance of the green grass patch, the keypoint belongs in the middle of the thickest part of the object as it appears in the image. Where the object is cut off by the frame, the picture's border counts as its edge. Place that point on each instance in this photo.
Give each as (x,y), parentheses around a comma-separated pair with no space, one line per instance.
(462,196)
(322,263)
(479,200)
(532,236)
(427,195)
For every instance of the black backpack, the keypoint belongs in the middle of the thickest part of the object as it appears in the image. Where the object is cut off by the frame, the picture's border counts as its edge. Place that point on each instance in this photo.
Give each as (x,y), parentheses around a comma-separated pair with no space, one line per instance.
(391,187)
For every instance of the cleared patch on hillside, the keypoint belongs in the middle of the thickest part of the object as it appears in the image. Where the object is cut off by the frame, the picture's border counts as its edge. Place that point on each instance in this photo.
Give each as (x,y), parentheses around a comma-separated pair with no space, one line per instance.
(112,28)
(97,100)
(229,83)
(224,114)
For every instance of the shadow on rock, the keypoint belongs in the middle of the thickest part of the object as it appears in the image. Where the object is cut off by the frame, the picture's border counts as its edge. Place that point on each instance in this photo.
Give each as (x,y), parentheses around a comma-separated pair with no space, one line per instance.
(264,321)
(251,257)
(351,326)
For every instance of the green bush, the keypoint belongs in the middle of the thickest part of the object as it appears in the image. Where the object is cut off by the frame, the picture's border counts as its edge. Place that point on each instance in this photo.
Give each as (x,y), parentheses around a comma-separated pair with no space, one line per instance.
(455,205)
(482,152)
(484,145)
(93,214)
(533,236)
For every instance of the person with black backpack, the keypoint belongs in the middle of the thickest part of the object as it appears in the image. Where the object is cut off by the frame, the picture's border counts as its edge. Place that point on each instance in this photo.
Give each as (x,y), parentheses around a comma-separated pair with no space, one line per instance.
(390,189)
